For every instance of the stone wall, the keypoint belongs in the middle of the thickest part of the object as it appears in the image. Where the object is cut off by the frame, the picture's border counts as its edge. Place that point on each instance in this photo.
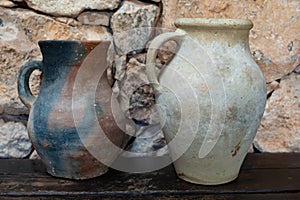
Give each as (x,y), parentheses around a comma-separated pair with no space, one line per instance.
(274,42)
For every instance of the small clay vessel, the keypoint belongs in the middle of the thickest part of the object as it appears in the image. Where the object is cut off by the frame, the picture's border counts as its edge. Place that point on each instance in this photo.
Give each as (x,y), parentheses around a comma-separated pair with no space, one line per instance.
(71,123)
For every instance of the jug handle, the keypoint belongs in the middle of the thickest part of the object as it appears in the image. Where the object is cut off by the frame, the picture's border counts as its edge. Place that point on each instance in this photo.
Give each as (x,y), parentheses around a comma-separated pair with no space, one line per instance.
(153,51)
(23,82)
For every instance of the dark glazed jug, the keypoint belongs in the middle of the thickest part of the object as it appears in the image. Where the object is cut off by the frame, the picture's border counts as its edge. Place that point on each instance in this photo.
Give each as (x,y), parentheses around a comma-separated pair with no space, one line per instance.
(71,123)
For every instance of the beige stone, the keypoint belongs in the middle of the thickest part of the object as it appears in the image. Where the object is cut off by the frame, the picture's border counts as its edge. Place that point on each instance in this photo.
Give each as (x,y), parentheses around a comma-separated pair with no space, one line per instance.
(132,26)
(7,3)
(280,126)
(272,86)
(19,34)
(71,7)
(166,53)
(67,20)
(169,13)
(274,37)
(94,18)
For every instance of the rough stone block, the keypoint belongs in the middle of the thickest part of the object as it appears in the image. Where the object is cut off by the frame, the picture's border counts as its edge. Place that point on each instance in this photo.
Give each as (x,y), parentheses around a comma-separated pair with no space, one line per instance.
(71,7)
(94,18)
(14,140)
(133,26)
(280,126)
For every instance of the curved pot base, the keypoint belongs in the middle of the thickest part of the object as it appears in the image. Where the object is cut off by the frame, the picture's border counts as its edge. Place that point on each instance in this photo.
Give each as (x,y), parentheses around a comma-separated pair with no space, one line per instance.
(92,174)
(205,182)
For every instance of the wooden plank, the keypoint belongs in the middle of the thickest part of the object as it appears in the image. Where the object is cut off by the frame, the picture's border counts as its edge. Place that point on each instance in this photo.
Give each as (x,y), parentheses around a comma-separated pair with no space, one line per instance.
(272,161)
(21,166)
(276,196)
(252,161)
(27,178)
(163,182)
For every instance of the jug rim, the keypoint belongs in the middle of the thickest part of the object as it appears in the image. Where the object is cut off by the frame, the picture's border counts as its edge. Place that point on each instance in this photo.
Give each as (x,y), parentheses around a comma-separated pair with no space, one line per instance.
(214,23)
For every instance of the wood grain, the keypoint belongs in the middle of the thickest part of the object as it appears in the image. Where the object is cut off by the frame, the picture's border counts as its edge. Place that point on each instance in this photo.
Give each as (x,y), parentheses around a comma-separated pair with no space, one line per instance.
(272,176)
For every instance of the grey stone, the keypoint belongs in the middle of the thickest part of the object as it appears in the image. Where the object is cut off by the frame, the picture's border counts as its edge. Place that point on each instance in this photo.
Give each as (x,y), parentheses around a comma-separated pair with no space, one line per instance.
(141,102)
(149,142)
(133,25)
(120,67)
(280,126)
(94,18)
(137,101)
(15,108)
(71,7)
(34,156)
(111,64)
(14,140)
(297,70)
(1,108)
(134,79)
(126,86)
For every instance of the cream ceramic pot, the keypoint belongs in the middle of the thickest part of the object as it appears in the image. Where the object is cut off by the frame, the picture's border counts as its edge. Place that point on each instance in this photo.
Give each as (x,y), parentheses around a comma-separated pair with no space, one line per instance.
(211,97)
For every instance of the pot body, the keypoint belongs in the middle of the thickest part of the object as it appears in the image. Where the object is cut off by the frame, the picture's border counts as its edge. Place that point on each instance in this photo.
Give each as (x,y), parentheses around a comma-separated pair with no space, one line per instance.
(212,97)
(71,126)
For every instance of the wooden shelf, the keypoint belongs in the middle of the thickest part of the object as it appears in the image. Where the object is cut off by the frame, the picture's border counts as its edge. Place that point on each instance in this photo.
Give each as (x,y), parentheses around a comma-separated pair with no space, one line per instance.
(263,176)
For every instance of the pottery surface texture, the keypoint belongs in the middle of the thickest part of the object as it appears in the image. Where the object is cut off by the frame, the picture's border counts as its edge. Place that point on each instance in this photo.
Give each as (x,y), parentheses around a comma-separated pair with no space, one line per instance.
(65,117)
(211,97)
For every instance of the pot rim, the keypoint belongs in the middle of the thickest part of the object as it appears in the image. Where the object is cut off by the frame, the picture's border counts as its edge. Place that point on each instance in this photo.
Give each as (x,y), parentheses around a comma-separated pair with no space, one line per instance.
(214,23)
(73,41)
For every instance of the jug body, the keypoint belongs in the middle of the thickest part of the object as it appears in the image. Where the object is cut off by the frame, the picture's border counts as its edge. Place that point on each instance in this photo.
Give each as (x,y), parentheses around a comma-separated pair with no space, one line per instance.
(65,117)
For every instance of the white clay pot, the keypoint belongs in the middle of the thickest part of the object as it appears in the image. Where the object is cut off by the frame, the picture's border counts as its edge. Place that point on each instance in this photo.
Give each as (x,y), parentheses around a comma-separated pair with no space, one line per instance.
(211,96)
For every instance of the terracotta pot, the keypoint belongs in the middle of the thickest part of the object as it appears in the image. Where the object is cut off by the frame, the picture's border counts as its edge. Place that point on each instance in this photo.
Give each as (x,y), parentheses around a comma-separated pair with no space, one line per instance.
(71,123)
(211,95)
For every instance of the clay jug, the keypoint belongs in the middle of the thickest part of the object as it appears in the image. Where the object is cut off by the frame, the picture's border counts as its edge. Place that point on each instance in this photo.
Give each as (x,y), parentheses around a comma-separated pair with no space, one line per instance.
(211,97)
(71,123)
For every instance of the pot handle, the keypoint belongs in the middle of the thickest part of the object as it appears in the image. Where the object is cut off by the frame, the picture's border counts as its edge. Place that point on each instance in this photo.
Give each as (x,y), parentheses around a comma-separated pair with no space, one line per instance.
(23,82)
(153,51)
